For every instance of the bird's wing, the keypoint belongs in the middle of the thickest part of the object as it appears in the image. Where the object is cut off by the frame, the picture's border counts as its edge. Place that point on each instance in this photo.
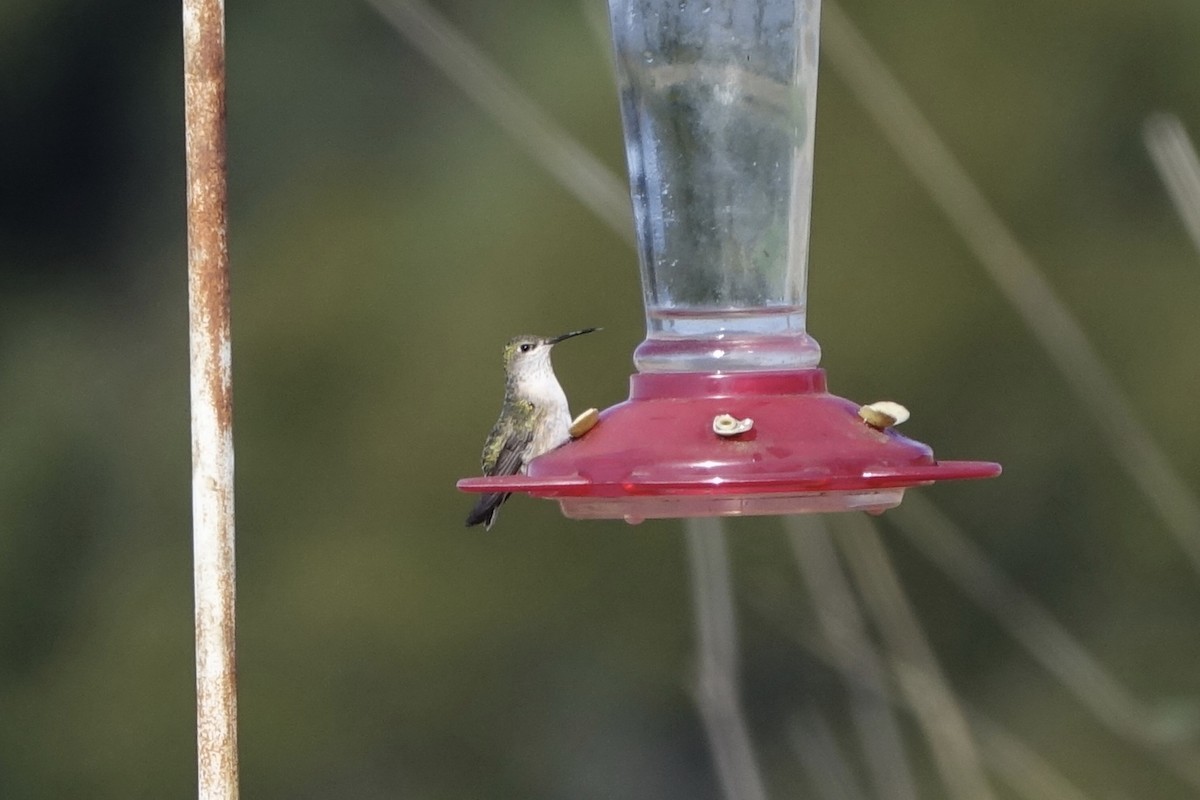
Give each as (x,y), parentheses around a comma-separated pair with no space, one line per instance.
(504,449)
(502,455)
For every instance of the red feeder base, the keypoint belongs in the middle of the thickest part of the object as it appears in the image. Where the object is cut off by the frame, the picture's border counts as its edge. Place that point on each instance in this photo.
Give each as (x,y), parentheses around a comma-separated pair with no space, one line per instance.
(656,455)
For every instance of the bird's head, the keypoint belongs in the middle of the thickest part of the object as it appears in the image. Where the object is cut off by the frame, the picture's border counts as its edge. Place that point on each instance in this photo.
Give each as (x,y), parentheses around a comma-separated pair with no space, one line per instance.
(528,355)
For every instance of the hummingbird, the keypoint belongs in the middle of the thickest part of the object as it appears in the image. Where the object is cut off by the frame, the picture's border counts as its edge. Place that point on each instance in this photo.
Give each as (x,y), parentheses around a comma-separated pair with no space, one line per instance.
(534,419)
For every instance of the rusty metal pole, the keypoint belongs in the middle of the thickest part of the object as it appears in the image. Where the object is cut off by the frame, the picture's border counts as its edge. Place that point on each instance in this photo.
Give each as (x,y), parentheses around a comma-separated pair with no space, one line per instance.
(211,398)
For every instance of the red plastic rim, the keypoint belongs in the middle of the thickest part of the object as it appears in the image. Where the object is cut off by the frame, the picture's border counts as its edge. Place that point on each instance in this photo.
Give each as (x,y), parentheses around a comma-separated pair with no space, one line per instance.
(657,454)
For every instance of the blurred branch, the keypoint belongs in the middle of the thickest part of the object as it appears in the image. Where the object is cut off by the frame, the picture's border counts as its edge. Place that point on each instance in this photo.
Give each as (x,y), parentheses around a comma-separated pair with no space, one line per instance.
(940,541)
(717,661)
(913,662)
(1014,273)
(1019,765)
(855,655)
(571,164)
(822,759)
(1174,157)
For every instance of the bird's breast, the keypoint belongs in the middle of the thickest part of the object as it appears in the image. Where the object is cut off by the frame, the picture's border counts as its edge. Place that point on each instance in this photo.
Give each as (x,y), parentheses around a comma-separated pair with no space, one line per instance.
(553,418)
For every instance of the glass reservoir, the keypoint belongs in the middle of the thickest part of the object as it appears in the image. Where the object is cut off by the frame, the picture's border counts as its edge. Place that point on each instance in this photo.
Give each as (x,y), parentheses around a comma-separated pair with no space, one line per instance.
(718,100)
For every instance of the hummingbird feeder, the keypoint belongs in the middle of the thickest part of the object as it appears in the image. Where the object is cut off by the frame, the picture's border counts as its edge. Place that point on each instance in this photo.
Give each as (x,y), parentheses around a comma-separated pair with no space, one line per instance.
(728,413)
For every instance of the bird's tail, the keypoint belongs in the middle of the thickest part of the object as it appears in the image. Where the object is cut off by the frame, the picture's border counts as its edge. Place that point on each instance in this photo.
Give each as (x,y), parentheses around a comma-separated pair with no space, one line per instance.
(486,509)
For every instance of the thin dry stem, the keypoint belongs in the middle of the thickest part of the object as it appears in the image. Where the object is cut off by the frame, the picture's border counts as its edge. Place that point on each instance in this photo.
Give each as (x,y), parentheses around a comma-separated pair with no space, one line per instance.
(1018,764)
(1174,157)
(717,661)
(849,643)
(544,140)
(1031,625)
(822,759)
(913,662)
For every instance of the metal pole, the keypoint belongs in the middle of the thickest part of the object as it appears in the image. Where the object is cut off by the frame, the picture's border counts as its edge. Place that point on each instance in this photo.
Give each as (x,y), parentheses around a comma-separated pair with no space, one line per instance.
(211,398)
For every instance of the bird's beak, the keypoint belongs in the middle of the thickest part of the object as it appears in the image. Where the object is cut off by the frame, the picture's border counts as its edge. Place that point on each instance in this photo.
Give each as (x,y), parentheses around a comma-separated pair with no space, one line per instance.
(558,339)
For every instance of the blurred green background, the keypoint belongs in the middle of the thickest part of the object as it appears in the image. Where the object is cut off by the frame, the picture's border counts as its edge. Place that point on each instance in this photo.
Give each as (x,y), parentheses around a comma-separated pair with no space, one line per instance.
(387,237)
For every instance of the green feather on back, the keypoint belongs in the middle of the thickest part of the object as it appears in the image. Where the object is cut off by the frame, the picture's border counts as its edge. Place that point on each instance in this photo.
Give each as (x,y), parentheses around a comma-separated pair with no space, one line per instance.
(505,445)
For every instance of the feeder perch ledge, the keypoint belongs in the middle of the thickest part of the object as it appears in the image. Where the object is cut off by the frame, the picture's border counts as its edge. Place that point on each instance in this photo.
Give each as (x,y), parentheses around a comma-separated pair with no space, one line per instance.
(654,456)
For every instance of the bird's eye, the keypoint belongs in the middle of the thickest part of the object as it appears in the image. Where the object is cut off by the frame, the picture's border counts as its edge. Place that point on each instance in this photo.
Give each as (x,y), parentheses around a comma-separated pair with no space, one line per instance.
(525,348)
